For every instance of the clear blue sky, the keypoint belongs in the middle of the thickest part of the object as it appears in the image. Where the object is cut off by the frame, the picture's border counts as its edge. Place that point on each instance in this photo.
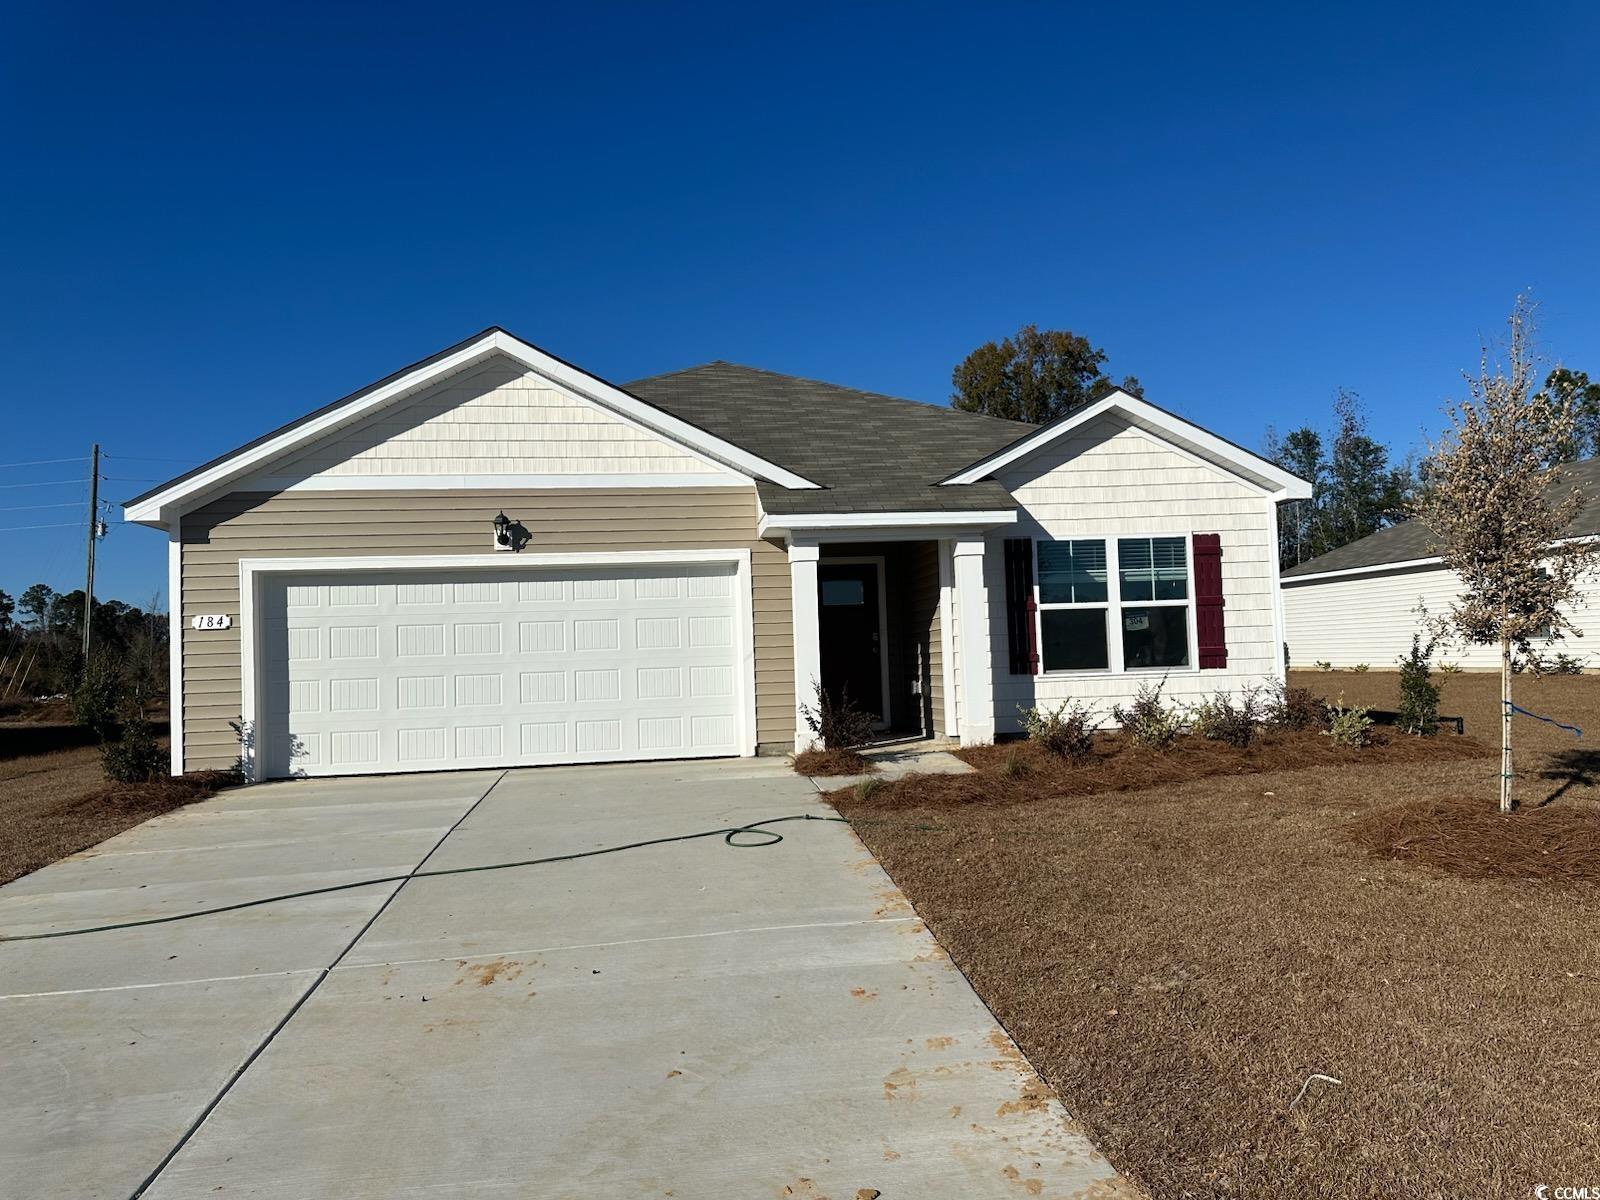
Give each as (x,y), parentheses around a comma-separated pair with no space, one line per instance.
(216,217)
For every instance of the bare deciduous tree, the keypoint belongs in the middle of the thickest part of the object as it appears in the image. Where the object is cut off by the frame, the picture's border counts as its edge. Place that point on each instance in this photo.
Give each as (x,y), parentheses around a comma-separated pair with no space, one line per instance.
(1499,512)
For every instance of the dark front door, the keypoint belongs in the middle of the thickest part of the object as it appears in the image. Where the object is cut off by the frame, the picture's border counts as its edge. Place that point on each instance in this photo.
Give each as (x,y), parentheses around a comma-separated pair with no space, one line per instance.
(847,620)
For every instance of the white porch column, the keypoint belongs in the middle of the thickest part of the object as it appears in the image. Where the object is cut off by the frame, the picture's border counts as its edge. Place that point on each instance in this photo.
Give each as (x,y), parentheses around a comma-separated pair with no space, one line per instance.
(807,640)
(977,653)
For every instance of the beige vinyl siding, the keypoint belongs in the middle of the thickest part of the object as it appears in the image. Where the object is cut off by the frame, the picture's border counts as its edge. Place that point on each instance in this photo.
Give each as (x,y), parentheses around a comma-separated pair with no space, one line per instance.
(315,524)
(1370,619)
(497,418)
(1111,479)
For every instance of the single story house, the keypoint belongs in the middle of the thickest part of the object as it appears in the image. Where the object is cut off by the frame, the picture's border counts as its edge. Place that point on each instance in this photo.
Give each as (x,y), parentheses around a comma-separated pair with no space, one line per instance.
(1360,603)
(492,557)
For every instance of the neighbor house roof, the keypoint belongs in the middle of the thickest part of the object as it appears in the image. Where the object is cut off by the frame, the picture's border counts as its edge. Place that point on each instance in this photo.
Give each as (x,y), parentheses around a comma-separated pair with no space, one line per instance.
(1412,541)
(871,453)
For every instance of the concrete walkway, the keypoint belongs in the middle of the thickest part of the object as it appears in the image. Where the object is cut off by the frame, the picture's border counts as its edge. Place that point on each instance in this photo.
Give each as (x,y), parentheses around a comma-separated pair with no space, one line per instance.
(681,1020)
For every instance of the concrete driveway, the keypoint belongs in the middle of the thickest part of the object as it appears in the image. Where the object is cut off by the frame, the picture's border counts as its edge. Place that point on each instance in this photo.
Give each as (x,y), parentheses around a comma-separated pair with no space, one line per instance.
(681,1020)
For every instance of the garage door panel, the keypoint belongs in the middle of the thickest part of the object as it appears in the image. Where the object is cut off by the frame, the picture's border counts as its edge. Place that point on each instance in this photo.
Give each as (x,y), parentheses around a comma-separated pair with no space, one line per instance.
(430,670)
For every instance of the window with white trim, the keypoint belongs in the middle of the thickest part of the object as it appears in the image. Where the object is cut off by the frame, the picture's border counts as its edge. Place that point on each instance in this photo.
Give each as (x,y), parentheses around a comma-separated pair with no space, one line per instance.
(1145,622)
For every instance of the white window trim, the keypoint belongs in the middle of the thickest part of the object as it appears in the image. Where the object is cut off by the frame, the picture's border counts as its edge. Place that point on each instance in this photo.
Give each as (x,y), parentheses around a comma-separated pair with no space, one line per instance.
(1112,608)
(254,571)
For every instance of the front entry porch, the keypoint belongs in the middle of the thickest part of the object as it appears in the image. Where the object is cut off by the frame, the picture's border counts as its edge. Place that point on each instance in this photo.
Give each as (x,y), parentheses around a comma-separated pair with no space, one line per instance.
(896,616)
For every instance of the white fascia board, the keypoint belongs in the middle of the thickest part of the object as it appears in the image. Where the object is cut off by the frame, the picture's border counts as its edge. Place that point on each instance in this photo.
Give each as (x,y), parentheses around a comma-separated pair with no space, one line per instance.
(536,561)
(1284,486)
(1376,569)
(479,483)
(152,510)
(815,523)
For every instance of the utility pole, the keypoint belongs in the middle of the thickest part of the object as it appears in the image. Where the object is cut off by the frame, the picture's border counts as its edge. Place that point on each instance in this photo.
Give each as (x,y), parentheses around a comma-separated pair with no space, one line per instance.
(94,528)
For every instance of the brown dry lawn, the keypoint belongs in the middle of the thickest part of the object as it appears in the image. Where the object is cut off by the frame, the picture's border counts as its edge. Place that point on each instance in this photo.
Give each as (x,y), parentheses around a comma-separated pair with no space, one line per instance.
(1179,958)
(53,805)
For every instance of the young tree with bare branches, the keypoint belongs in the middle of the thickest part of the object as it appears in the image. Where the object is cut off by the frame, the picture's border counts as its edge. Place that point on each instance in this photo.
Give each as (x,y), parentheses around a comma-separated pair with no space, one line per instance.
(1499,511)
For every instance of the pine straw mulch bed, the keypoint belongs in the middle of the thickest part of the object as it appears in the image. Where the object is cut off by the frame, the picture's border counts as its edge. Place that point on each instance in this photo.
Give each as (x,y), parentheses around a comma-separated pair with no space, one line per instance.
(1177,960)
(832,762)
(59,804)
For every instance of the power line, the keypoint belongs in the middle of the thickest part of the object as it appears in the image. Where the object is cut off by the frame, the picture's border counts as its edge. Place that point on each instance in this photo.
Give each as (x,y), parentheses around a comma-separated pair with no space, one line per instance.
(20,507)
(129,479)
(140,458)
(44,483)
(43,462)
(57,525)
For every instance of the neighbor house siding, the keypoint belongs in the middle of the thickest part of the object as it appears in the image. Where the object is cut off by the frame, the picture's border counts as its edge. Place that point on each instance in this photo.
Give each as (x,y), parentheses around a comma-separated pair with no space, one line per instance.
(497,418)
(324,523)
(1109,479)
(1370,619)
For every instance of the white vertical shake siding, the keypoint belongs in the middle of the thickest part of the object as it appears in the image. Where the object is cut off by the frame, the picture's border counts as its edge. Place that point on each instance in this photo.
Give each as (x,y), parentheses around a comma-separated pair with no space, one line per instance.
(1111,479)
(1370,619)
(497,418)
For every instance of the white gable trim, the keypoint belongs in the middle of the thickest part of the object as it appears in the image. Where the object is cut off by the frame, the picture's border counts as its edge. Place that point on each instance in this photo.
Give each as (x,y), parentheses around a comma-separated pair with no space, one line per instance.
(1185,434)
(467,483)
(156,508)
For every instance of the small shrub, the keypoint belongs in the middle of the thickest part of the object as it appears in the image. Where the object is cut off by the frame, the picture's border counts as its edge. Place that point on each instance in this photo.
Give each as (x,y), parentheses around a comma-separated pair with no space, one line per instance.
(1361,668)
(1222,719)
(838,723)
(867,787)
(1323,665)
(1066,731)
(1016,766)
(135,757)
(1147,721)
(1349,726)
(1419,695)
(1293,708)
(97,699)
(1554,664)
(1450,668)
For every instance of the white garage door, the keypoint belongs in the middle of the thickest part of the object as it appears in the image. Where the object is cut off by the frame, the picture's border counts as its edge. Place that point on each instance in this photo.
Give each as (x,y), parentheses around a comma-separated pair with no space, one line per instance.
(367,671)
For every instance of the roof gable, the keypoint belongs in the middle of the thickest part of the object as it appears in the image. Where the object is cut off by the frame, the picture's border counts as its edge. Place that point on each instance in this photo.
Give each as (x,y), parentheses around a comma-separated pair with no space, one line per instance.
(1268,477)
(157,506)
(497,419)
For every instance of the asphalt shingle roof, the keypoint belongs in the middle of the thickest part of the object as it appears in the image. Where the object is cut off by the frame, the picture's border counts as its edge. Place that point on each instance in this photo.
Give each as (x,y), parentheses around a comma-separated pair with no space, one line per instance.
(1413,540)
(869,452)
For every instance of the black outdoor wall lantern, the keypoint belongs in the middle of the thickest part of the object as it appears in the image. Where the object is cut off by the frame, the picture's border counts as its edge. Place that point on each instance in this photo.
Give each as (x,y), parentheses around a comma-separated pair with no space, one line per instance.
(502,533)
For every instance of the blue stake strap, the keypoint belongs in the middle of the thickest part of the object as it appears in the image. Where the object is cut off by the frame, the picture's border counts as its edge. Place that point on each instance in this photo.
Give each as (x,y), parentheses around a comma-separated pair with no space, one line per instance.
(1572,729)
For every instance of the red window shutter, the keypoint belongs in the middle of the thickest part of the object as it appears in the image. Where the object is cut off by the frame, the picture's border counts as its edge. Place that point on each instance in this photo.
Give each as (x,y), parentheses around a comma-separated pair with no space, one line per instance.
(1020,636)
(1208,601)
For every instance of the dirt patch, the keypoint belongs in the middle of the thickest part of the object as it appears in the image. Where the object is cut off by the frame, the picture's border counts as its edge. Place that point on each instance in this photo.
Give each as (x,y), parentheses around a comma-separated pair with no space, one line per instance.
(53,805)
(493,971)
(832,762)
(1176,961)
(54,710)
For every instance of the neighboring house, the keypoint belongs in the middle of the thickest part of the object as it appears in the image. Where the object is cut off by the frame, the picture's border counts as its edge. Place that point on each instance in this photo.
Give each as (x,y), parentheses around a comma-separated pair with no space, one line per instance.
(681,559)
(1362,602)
